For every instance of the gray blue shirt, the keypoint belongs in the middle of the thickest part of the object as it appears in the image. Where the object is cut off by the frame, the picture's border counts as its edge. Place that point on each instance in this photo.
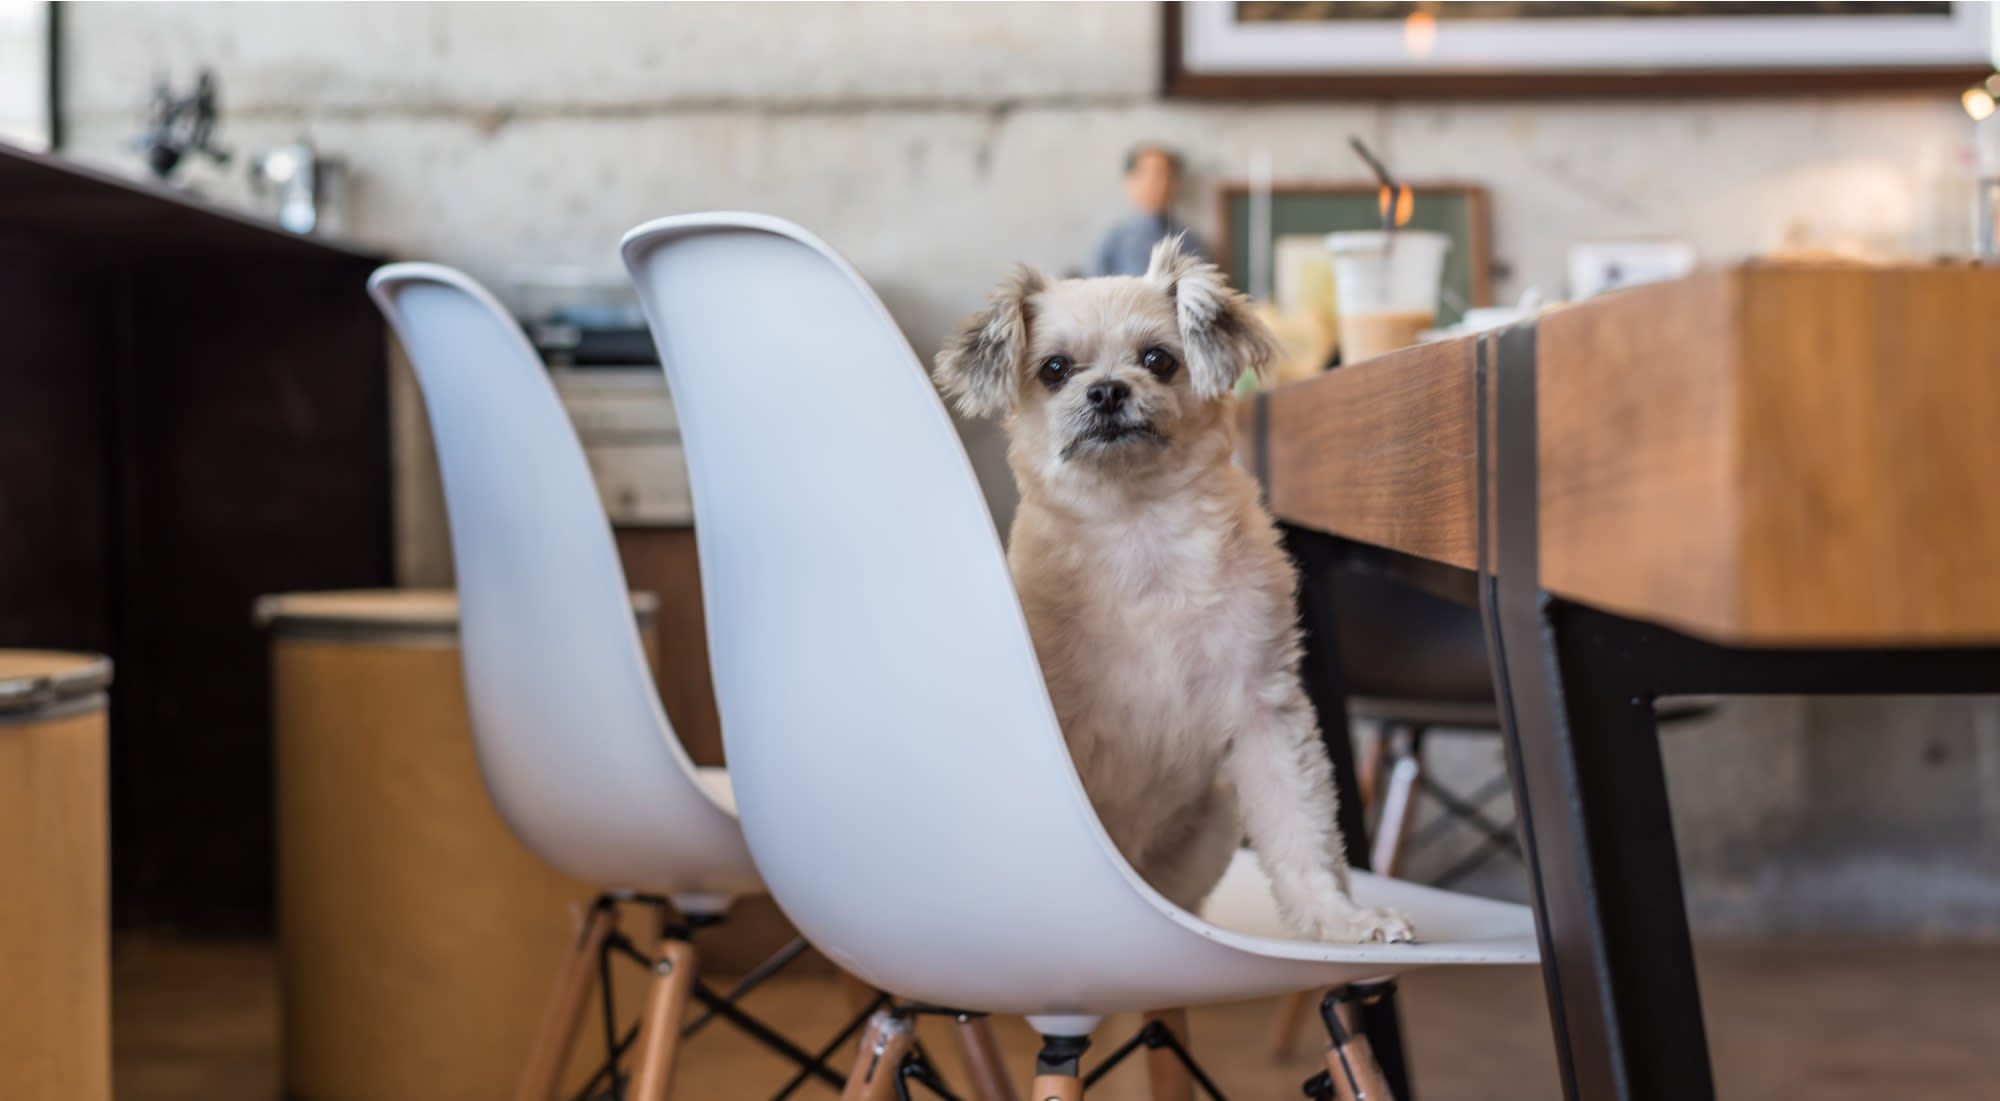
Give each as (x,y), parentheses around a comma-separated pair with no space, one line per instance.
(1128,247)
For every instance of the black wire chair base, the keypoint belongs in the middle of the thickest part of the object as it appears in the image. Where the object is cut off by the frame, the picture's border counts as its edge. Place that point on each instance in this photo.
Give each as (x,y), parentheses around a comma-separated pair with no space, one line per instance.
(916,1067)
(1153,1036)
(609,1081)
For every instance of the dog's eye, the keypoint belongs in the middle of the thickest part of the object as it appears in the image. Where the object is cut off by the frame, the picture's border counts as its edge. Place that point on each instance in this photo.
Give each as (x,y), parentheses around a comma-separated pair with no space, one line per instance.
(1159,361)
(1054,370)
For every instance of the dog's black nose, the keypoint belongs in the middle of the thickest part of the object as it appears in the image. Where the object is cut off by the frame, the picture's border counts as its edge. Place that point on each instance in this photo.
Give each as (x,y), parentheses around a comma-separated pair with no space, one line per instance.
(1107,397)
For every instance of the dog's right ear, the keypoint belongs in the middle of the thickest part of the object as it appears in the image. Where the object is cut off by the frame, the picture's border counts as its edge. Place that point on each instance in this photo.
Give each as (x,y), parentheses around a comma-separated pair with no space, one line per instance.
(979,367)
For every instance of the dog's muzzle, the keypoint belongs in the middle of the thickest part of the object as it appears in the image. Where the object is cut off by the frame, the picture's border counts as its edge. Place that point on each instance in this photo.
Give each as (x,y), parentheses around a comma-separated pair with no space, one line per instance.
(1108,433)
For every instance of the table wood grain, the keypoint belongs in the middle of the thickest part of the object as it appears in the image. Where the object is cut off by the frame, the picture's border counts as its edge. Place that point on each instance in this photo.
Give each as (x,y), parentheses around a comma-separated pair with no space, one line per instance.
(1761,455)
(1383,452)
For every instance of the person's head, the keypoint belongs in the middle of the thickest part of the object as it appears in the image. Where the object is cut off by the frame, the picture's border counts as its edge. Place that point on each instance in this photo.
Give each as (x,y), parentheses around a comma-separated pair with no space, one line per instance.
(1152,174)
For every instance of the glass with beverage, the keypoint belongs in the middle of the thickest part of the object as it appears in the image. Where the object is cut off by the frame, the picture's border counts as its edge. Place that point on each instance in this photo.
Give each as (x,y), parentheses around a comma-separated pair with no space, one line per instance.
(1386,285)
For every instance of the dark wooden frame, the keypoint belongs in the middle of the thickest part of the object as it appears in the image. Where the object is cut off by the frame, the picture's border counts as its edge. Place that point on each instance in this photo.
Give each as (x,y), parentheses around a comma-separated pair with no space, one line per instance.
(1478,206)
(1176,82)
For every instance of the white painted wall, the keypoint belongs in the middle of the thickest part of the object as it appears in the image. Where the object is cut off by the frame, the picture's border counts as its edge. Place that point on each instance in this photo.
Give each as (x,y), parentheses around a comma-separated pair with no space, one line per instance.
(936,144)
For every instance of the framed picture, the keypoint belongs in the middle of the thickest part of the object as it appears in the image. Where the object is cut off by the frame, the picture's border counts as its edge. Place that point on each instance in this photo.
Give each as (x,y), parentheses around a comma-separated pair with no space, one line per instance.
(1281,48)
(1457,210)
(28,110)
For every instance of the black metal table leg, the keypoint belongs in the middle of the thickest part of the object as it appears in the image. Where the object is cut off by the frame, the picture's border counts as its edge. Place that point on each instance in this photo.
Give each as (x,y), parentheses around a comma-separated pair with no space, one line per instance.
(1319,668)
(1622,983)
(1584,757)
(1616,949)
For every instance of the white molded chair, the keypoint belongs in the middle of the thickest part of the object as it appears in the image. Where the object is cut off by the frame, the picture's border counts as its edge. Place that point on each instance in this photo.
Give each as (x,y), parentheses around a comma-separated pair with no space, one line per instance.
(575,749)
(898,767)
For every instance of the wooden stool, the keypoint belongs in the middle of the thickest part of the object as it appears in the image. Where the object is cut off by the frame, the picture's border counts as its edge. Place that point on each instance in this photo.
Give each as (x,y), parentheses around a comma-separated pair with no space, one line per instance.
(416,934)
(55,930)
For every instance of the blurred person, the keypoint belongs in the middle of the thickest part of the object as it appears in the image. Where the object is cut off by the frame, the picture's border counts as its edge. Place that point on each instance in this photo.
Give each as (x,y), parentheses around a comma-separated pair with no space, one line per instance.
(1152,177)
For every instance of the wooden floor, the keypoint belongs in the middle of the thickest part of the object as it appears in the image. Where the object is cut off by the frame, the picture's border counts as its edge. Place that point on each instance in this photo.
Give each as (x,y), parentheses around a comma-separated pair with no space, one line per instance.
(196,1022)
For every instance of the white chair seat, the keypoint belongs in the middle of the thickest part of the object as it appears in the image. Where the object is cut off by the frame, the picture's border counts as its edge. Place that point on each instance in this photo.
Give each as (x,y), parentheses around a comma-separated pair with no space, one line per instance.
(1454,928)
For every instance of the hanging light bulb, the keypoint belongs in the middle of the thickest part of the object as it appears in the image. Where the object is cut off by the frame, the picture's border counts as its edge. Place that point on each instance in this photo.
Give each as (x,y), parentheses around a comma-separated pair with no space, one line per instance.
(1979,103)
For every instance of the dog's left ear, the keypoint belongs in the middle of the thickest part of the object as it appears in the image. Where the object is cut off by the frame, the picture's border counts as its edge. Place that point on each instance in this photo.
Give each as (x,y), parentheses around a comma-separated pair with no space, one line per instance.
(1222,337)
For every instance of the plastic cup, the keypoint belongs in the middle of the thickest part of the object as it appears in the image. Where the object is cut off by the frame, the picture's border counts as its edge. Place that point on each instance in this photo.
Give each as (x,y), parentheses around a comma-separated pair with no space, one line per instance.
(1303,280)
(1386,285)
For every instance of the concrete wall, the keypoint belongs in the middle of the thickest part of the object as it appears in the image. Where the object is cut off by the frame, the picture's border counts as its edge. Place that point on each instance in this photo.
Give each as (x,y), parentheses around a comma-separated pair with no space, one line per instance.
(1828,816)
(936,144)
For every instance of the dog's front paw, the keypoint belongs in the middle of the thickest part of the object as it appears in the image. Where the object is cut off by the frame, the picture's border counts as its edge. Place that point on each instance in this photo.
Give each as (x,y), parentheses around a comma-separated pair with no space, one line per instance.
(1372,925)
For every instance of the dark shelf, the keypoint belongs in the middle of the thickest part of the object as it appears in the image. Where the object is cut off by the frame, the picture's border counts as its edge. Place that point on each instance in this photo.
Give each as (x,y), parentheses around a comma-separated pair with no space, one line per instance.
(45,198)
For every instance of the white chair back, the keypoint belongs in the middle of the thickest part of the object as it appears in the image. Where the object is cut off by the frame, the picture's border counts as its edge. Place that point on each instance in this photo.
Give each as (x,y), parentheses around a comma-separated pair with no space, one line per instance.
(574,746)
(898,766)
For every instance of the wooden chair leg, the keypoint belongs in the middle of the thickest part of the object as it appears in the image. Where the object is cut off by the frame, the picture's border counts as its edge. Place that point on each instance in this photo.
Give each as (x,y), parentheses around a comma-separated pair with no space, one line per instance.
(1358,1059)
(884,1042)
(1169,1079)
(549,1054)
(1292,1010)
(985,1067)
(1351,1061)
(1058,1069)
(660,1028)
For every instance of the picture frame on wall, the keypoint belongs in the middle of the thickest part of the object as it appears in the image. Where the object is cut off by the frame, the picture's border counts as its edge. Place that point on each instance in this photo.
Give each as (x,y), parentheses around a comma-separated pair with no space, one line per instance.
(1299,209)
(1314,48)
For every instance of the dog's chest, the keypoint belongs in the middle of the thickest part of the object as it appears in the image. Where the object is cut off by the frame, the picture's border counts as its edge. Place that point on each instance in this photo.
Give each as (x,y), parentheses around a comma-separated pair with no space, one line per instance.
(1156,642)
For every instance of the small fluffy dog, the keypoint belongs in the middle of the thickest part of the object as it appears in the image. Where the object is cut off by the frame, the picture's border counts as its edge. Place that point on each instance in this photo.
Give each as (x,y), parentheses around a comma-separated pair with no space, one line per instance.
(1159,600)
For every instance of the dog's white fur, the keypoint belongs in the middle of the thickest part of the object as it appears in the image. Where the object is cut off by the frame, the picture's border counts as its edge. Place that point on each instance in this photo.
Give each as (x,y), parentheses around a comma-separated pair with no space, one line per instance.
(1160,602)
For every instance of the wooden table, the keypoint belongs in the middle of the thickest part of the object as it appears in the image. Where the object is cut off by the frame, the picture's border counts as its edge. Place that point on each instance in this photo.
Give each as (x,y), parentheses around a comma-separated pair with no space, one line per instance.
(1761,479)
